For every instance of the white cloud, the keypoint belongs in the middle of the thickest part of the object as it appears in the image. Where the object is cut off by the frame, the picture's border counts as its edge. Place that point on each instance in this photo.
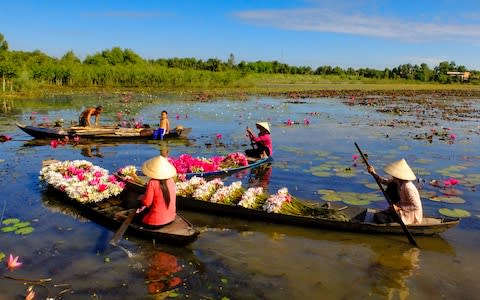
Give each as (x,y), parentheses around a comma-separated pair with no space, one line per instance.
(326,20)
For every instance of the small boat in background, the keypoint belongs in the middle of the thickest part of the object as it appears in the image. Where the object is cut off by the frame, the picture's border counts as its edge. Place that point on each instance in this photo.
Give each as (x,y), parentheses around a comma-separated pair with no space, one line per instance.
(100,132)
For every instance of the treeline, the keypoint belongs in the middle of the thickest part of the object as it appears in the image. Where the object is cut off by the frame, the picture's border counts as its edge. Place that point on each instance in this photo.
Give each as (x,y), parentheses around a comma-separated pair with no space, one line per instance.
(118,67)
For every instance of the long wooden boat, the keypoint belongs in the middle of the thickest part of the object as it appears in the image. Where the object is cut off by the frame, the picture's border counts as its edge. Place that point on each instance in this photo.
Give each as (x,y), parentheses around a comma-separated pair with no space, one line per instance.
(357,219)
(99,132)
(111,213)
(252,163)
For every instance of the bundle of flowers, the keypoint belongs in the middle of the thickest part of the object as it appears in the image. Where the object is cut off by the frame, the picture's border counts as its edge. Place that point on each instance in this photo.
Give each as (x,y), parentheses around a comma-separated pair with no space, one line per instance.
(81,180)
(204,192)
(228,194)
(282,202)
(234,160)
(186,163)
(186,188)
(128,172)
(254,198)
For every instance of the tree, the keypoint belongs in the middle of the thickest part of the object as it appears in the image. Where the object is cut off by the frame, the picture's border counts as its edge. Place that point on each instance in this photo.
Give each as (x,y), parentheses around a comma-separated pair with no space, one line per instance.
(3,43)
(231,61)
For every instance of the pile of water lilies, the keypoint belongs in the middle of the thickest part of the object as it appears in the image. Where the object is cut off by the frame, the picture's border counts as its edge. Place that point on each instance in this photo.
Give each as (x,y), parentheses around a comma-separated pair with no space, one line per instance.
(81,180)
(186,163)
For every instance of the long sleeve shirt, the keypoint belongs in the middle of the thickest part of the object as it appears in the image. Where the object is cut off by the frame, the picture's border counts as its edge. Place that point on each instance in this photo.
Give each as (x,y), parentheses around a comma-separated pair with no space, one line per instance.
(265,140)
(410,205)
(159,213)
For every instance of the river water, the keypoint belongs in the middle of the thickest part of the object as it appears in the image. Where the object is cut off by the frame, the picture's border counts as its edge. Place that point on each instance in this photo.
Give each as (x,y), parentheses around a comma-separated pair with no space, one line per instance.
(238,259)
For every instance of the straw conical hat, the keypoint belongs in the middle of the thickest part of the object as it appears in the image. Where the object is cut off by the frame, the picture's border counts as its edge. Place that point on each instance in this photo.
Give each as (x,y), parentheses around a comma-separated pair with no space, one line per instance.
(401,170)
(158,168)
(264,125)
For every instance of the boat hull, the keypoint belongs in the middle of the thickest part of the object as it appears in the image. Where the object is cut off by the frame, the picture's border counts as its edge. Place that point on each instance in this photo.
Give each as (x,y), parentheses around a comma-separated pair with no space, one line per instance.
(111,133)
(111,213)
(359,219)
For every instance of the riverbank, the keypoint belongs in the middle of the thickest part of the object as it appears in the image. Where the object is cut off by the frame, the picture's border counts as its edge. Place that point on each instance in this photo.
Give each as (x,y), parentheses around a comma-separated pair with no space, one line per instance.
(277,85)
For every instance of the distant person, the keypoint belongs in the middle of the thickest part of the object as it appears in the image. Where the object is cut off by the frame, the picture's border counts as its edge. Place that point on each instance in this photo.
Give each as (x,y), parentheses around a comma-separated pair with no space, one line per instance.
(164,127)
(404,194)
(159,201)
(84,119)
(263,141)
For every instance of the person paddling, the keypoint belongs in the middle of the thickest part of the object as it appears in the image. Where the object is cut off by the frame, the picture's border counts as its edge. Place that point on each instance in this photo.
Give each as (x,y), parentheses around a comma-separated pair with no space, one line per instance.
(158,204)
(408,204)
(263,141)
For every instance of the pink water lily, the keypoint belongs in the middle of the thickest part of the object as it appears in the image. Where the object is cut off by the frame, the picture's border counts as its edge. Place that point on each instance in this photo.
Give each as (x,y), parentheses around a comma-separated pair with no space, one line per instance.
(94,182)
(102,187)
(81,176)
(53,143)
(453,136)
(218,136)
(98,174)
(177,116)
(450,181)
(354,157)
(76,138)
(289,122)
(112,179)
(13,263)
(306,121)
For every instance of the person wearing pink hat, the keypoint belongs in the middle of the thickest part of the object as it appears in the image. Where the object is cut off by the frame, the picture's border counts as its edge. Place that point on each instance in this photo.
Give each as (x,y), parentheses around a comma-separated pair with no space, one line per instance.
(159,201)
(404,194)
(263,141)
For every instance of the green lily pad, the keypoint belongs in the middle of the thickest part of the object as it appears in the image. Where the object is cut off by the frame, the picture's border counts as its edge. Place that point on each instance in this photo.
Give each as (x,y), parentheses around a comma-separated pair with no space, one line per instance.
(21,224)
(24,230)
(372,186)
(322,174)
(448,199)
(423,161)
(346,172)
(403,148)
(359,202)
(10,221)
(452,171)
(455,213)
(421,172)
(427,194)
(2,255)
(320,153)
(224,280)
(331,197)
(473,179)
(9,229)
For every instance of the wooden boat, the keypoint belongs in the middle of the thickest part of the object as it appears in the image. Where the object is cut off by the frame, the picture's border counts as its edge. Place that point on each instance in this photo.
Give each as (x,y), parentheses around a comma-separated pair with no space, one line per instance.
(100,132)
(252,163)
(357,219)
(111,213)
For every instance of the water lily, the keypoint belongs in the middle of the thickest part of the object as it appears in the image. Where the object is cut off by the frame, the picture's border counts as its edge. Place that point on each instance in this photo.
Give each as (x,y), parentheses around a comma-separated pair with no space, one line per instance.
(102,187)
(76,138)
(13,263)
(354,157)
(53,143)
(218,136)
(306,121)
(177,116)
(289,122)
(453,136)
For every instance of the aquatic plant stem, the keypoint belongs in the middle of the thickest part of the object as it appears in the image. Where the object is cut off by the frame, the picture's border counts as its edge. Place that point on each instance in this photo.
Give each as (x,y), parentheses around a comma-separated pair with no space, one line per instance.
(399,219)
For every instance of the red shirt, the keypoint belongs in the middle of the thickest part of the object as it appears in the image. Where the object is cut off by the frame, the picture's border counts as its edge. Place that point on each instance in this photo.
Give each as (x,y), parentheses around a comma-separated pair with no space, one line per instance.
(265,140)
(159,213)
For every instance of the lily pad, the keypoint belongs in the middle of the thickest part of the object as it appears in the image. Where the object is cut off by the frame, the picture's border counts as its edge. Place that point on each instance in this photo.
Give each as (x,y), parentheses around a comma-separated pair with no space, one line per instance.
(372,186)
(9,229)
(447,199)
(423,161)
(2,256)
(322,174)
(427,194)
(357,202)
(21,224)
(452,171)
(10,221)
(403,148)
(455,213)
(24,230)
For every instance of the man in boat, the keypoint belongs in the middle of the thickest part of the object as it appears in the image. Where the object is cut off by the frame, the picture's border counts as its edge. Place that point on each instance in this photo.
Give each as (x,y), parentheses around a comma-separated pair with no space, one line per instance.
(263,141)
(159,201)
(402,191)
(84,119)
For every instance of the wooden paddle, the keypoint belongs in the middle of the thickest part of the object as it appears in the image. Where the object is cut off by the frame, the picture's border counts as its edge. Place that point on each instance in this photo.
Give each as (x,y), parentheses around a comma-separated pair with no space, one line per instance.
(118,235)
(251,140)
(399,219)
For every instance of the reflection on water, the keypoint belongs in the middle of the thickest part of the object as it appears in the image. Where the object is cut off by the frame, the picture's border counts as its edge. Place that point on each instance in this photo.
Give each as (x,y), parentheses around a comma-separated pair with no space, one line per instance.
(236,258)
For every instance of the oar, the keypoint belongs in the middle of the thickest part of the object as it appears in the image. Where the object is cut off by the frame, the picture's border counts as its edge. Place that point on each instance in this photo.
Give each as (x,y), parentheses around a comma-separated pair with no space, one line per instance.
(251,140)
(399,219)
(118,235)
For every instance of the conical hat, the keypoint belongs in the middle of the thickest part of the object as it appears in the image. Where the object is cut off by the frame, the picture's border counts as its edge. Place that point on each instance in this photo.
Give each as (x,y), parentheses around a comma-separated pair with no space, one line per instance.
(158,168)
(401,170)
(264,125)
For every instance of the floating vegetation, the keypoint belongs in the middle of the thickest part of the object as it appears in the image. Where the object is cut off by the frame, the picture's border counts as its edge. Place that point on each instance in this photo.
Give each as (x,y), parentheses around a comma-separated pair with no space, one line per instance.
(16,226)
(333,169)
(2,255)
(427,194)
(452,171)
(349,197)
(447,199)
(454,213)
(423,161)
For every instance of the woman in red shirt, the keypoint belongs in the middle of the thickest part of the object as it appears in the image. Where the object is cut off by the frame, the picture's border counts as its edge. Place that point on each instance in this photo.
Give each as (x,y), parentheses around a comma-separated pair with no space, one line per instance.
(263,141)
(159,201)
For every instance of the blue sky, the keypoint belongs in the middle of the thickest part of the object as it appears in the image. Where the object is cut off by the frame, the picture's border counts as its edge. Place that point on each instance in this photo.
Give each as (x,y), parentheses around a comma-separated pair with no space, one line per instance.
(355,33)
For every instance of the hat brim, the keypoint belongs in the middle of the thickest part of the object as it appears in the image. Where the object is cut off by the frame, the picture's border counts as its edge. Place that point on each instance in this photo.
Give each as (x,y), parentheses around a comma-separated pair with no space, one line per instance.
(159,168)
